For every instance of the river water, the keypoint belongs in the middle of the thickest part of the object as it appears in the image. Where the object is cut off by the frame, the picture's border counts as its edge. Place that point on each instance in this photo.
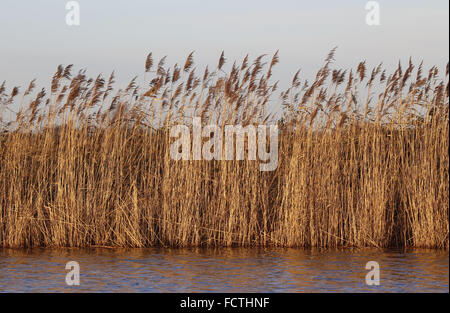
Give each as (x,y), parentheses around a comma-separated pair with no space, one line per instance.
(223,270)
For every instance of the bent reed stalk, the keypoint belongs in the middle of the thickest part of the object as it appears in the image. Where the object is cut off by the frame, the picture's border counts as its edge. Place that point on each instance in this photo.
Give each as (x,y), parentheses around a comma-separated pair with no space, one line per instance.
(363,160)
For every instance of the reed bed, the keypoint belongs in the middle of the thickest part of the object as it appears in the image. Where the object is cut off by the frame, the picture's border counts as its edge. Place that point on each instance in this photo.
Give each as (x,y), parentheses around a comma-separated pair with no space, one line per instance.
(363,159)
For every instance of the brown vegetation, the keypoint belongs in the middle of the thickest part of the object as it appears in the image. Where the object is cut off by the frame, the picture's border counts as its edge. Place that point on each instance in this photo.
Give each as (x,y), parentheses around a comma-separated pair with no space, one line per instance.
(363,160)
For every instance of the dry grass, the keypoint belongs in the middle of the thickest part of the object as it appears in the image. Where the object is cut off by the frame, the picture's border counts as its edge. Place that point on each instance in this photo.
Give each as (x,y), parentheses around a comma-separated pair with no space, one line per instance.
(363,160)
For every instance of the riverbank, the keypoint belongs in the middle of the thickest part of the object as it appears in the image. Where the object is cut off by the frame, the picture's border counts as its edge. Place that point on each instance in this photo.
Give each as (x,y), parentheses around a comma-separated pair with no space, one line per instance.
(79,169)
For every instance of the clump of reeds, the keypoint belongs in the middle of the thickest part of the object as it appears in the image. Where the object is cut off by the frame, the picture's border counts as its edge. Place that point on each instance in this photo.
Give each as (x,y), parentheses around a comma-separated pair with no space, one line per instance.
(363,159)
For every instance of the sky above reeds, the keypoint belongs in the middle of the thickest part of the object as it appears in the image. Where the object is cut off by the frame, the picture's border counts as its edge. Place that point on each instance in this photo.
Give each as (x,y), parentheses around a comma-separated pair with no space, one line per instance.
(117,35)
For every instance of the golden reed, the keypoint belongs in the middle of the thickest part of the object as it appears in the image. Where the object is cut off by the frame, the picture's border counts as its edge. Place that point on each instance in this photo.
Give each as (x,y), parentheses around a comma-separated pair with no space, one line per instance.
(363,159)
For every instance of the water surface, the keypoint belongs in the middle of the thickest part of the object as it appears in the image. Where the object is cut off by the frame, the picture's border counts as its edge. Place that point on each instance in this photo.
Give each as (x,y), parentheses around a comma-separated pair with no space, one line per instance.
(223,270)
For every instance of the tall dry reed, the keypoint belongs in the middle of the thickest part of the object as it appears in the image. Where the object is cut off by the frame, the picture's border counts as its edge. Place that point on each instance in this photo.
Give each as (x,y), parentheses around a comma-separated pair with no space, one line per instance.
(363,159)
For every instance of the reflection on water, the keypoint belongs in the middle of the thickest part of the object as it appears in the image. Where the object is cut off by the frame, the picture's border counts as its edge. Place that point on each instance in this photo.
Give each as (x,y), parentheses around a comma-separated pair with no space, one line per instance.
(223,270)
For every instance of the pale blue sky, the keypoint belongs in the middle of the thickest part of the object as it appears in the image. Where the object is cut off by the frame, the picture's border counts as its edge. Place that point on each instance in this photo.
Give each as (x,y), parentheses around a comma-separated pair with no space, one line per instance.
(117,35)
